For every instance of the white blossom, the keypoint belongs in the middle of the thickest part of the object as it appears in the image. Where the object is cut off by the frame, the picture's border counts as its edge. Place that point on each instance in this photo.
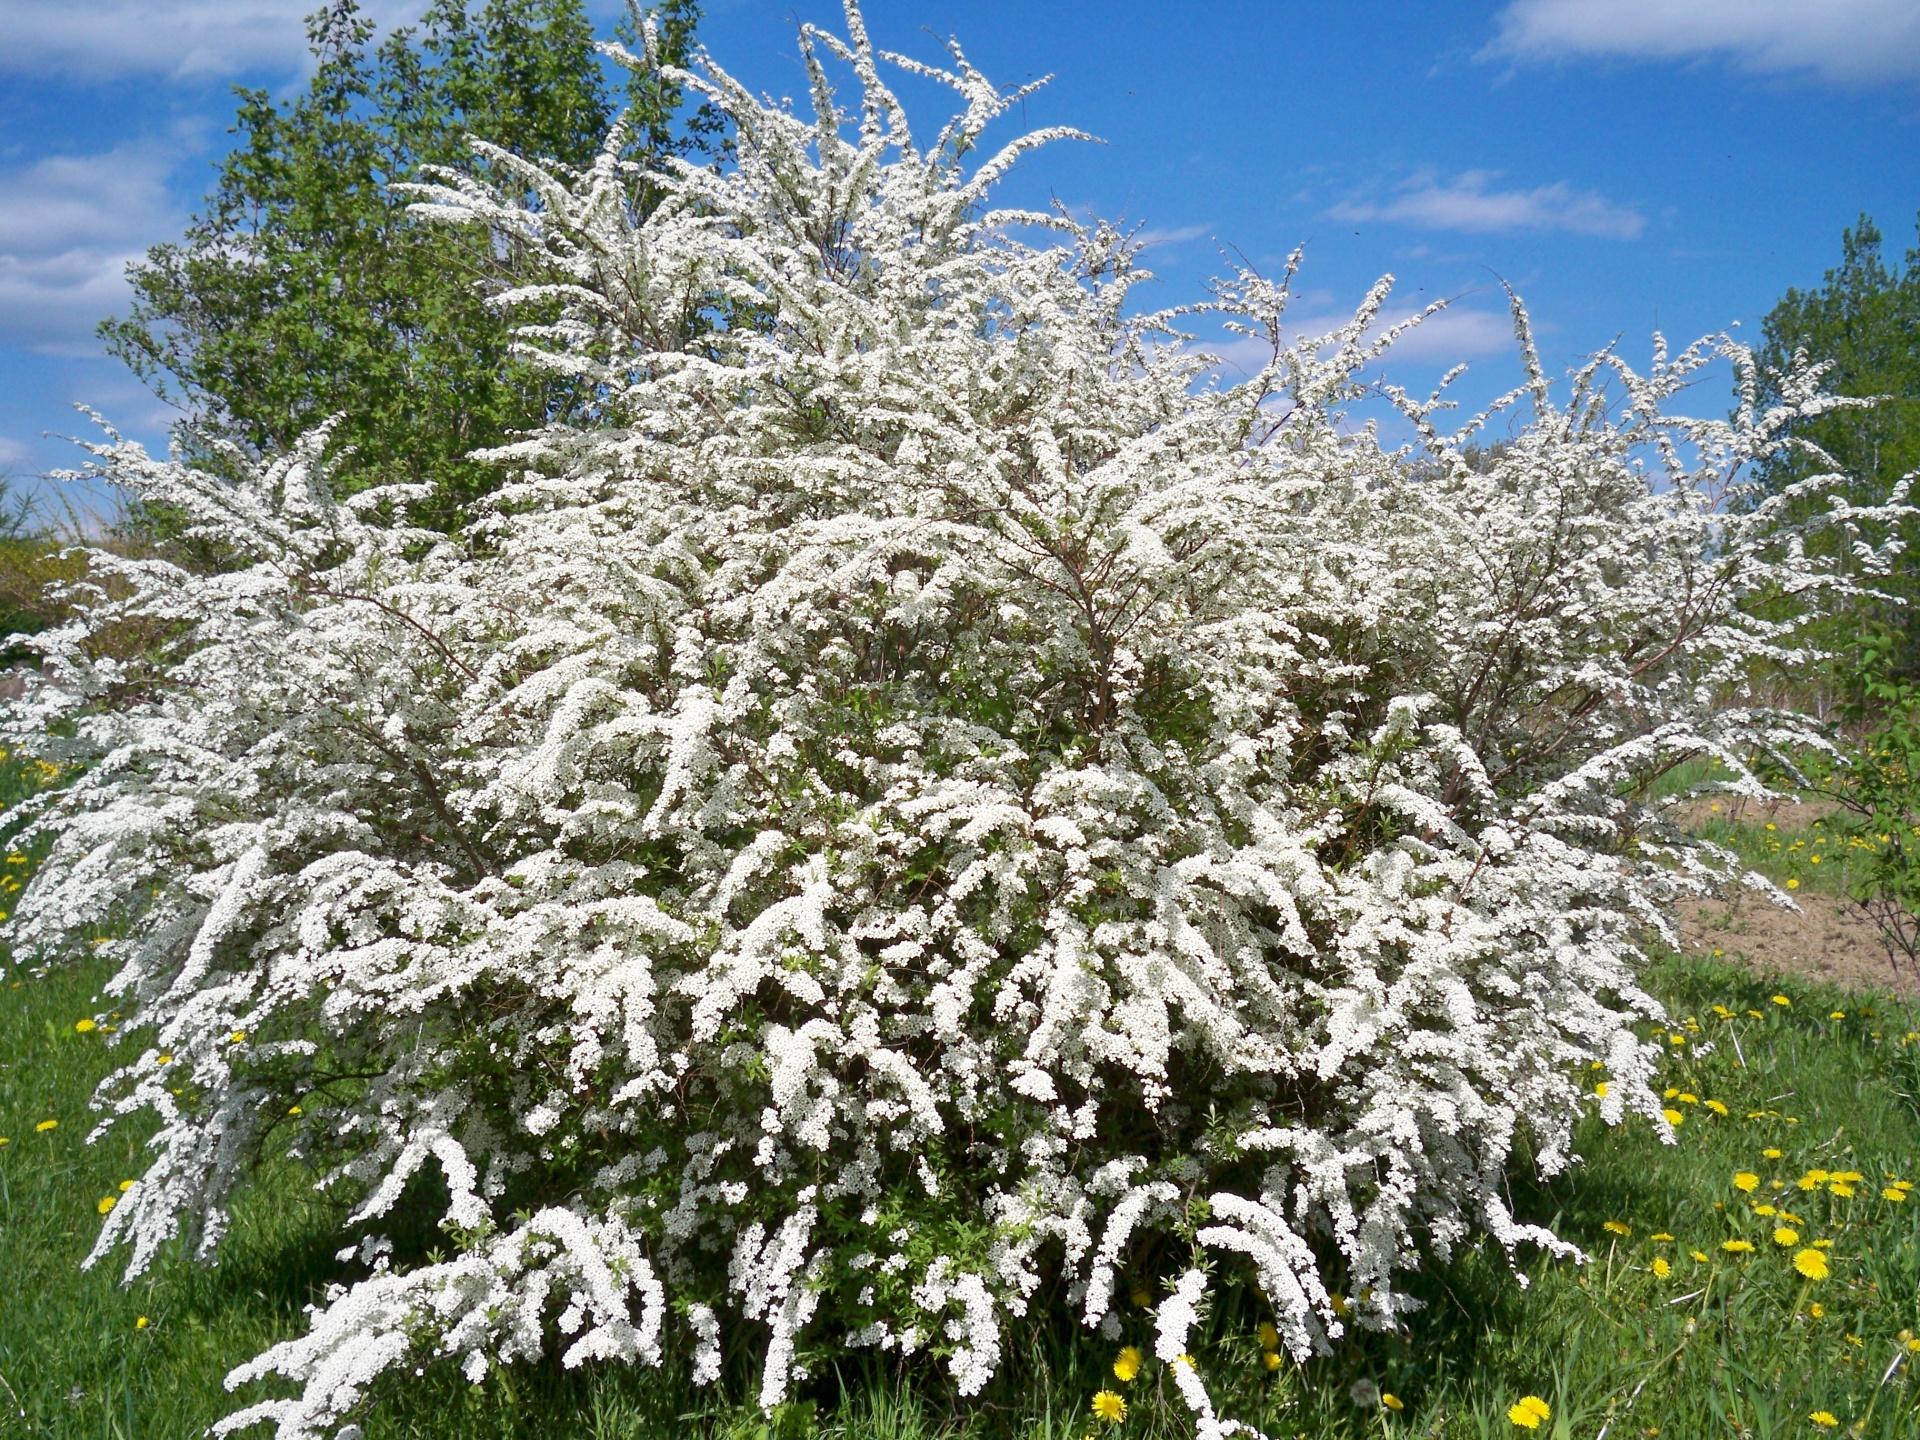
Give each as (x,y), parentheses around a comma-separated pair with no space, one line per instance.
(924,773)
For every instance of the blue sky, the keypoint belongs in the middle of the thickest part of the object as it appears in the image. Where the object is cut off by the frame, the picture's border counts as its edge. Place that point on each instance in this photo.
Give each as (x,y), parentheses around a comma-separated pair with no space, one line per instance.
(1626,165)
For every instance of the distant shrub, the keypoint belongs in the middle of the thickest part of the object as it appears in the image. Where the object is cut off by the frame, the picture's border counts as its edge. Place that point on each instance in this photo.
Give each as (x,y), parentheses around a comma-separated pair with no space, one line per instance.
(923,799)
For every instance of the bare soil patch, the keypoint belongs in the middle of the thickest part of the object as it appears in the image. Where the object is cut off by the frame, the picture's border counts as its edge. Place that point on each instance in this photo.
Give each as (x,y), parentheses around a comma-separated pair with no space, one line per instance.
(1828,938)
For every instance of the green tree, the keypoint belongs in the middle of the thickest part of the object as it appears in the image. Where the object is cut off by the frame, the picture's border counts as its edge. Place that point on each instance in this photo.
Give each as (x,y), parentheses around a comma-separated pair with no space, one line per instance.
(1864,322)
(304,290)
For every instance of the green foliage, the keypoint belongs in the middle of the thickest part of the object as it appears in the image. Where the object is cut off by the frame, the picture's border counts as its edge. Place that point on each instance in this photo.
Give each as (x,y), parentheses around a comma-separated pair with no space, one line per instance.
(1863,321)
(1878,787)
(304,290)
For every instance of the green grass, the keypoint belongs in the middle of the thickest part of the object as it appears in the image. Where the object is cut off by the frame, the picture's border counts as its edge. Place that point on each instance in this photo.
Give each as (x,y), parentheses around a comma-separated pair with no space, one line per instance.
(1727,1346)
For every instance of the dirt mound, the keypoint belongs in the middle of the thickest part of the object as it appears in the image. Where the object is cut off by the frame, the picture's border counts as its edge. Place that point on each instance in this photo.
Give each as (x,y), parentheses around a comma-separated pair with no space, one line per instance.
(1828,939)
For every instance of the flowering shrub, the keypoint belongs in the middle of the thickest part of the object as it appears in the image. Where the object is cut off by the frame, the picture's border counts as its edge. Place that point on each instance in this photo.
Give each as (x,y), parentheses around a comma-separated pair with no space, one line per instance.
(926,797)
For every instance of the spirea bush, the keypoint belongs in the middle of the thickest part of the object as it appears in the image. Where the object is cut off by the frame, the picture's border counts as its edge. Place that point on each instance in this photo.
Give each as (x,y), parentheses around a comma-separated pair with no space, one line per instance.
(927,807)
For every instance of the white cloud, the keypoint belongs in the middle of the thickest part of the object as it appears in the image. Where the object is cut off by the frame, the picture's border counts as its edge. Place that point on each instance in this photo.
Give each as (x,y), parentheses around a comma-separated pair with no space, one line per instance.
(68,226)
(1851,41)
(1177,236)
(1468,202)
(181,39)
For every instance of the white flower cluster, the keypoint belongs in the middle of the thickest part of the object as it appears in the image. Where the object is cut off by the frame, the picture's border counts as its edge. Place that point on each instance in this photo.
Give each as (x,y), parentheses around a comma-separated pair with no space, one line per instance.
(926,796)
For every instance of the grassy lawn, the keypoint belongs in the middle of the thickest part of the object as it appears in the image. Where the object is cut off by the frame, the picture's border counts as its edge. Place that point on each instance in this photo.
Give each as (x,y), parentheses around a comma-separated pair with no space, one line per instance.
(1668,1331)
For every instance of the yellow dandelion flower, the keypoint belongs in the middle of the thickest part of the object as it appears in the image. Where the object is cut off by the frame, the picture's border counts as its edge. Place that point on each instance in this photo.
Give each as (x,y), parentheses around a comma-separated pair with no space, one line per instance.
(1825,1419)
(1126,1364)
(1699,1255)
(46,1125)
(1842,1189)
(1601,1089)
(1897,1196)
(1109,1407)
(1746,1181)
(237,1037)
(1838,1015)
(1270,1359)
(84,1025)
(107,1202)
(1661,1269)
(1673,1117)
(1771,1154)
(1785,1235)
(1823,1244)
(1530,1412)
(1913,1347)
(1660,1235)
(1672,1092)
(141,1322)
(1817,1310)
(1737,1247)
(1764,1211)
(1687,1099)
(125,1185)
(1717,1107)
(1791,885)
(1812,1264)
(1269,1337)
(1392,1402)
(1617,1227)
(1781,1000)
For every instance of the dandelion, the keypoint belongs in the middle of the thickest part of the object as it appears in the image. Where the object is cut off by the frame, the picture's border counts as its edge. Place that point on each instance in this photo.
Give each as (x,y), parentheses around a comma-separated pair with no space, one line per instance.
(1661,1269)
(1689,1099)
(1142,1299)
(1737,1247)
(1781,999)
(1746,1181)
(1717,1107)
(1392,1401)
(1617,1227)
(46,1125)
(1126,1365)
(1673,1117)
(1109,1407)
(1699,1255)
(1601,1089)
(1791,885)
(1893,1193)
(141,1322)
(1270,1359)
(107,1202)
(1825,1419)
(1842,1189)
(1771,1154)
(1812,1264)
(1817,1310)
(83,1025)
(1765,1211)
(1364,1393)
(1785,1235)
(1838,1015)
(237,1037)
(1530,1412)
(125,1185)
(1913,1347)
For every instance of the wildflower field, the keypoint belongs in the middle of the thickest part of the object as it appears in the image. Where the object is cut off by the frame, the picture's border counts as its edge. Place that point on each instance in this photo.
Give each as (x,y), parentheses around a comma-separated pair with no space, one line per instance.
(1759,1277)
